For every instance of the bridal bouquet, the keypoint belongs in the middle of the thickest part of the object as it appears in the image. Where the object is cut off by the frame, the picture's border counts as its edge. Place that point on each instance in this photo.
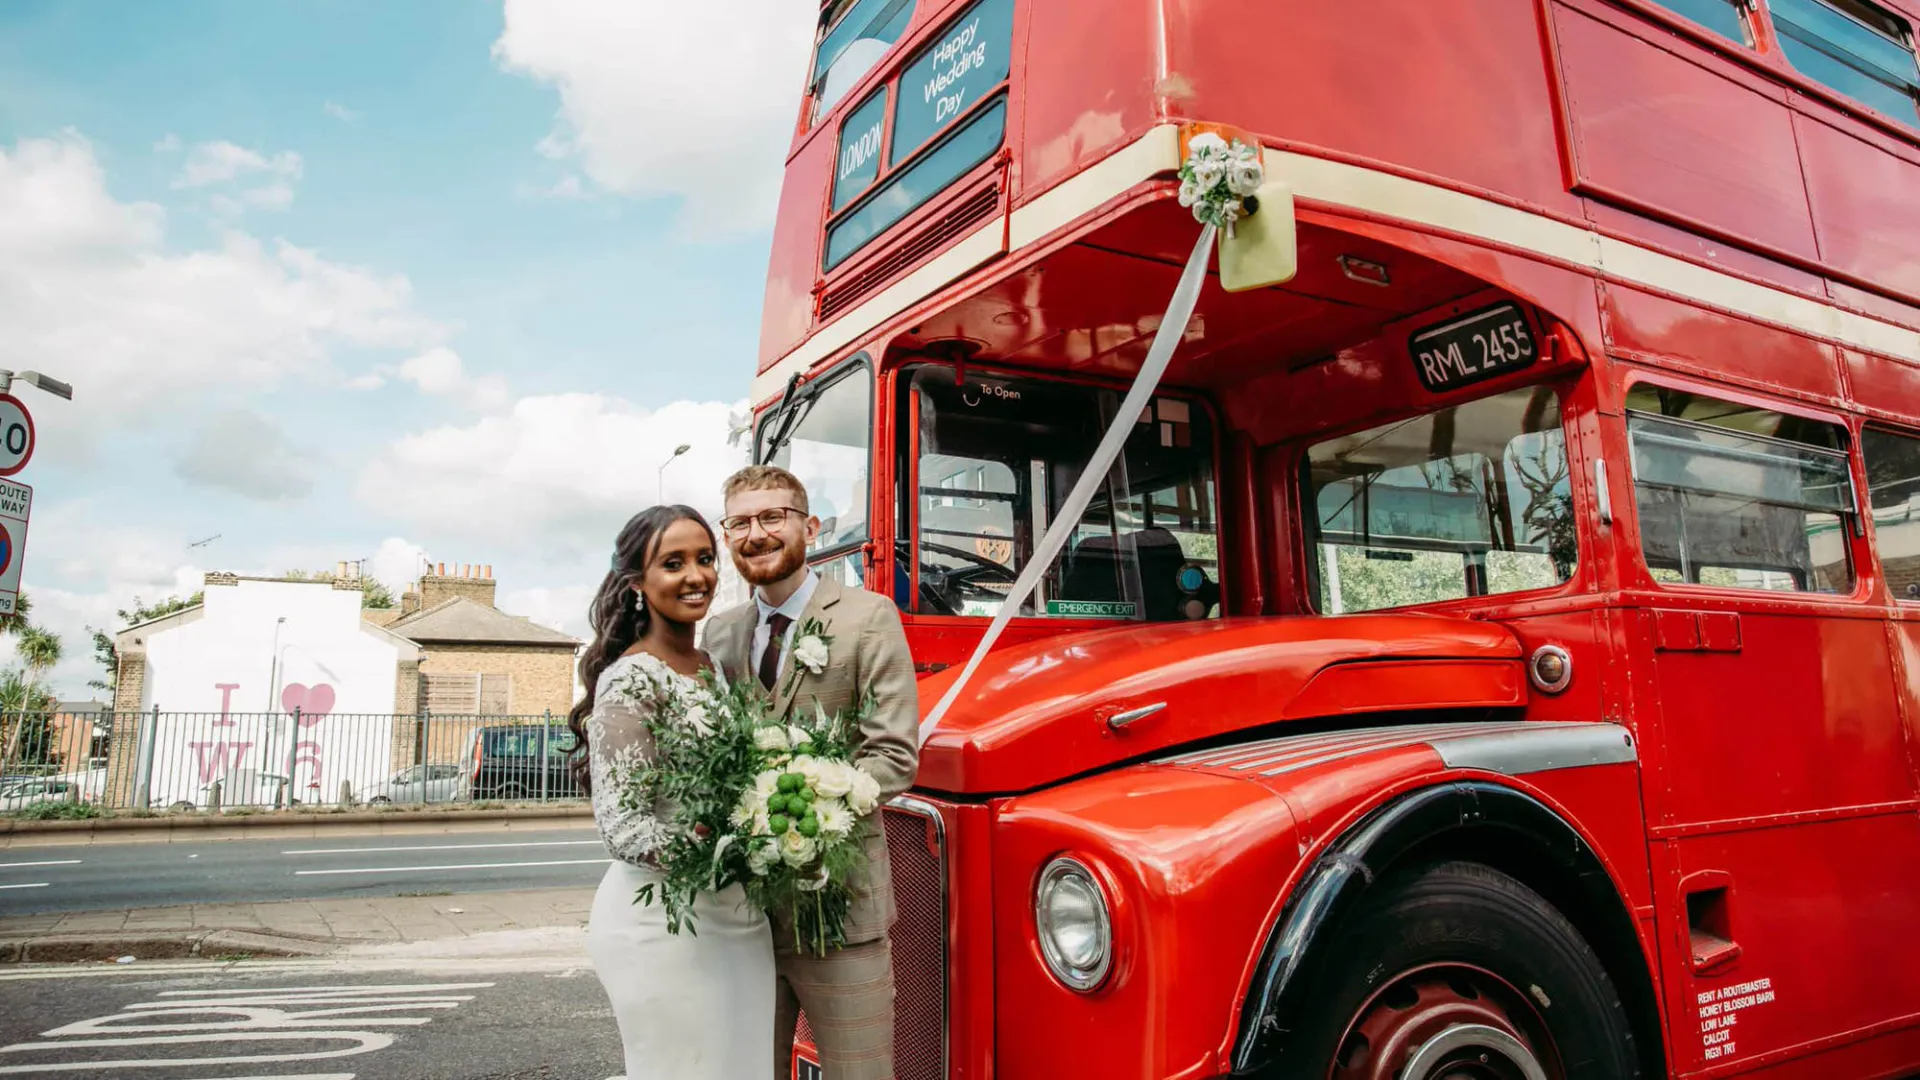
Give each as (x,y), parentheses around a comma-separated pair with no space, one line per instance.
(768,805)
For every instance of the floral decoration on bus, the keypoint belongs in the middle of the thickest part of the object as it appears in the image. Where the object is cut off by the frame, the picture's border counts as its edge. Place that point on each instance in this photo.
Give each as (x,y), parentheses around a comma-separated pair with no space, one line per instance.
(1218,179)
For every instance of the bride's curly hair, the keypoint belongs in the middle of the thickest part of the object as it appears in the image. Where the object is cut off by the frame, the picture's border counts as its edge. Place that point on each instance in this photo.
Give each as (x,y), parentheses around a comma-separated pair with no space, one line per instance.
(618,619)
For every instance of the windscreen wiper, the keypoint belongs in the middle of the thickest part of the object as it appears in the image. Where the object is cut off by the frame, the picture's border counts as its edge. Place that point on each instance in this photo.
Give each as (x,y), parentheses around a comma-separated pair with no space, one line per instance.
(785,417)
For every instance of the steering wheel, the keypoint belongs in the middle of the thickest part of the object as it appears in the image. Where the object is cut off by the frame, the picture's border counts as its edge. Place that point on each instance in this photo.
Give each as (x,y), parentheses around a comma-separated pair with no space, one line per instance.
(941,587)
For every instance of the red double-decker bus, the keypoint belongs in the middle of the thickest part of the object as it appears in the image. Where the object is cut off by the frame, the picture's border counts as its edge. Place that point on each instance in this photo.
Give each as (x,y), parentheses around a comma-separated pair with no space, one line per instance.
(1494,651)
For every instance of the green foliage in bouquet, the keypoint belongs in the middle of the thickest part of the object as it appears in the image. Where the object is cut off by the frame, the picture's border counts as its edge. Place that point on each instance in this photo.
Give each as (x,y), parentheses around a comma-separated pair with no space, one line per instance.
(800,822)
(774,807)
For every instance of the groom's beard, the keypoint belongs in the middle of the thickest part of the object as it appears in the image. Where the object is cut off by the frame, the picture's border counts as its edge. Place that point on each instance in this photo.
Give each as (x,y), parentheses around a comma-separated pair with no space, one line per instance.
(762,573)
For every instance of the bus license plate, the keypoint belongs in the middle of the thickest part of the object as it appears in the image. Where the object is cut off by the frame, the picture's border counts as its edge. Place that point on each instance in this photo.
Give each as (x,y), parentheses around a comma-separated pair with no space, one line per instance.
(1473,348)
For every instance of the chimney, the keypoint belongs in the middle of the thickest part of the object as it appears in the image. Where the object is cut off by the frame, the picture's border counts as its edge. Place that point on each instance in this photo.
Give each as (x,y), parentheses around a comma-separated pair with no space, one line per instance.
(465,581)
(488,572)
(340,569)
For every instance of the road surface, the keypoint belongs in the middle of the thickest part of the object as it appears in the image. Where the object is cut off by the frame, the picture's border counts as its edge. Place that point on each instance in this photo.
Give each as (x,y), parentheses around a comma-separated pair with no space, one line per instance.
(199,1021)
(105,877)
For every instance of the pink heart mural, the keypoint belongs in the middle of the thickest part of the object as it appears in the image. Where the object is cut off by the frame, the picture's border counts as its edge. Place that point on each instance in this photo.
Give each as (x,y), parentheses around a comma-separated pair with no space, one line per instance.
(313,702)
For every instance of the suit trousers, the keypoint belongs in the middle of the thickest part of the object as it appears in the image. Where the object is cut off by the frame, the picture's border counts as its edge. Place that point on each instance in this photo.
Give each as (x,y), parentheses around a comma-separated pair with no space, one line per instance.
(848,998)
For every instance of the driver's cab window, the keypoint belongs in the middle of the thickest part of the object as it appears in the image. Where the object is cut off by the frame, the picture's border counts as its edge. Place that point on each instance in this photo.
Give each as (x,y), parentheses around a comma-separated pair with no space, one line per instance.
(825,439)
(995,457)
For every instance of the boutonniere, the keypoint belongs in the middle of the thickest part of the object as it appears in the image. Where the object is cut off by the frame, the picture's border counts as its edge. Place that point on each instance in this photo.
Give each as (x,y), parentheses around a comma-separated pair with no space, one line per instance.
(810,645)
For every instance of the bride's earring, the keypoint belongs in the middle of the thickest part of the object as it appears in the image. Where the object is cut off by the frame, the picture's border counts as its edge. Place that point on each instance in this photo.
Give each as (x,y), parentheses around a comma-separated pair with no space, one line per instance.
(639,600)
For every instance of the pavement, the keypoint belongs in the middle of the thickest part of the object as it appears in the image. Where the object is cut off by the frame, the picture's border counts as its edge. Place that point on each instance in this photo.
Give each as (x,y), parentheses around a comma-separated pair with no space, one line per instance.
(178,870)
(512,923)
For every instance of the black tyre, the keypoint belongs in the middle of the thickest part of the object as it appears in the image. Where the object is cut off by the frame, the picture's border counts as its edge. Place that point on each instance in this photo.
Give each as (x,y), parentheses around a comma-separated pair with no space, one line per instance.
(511,792)
(1459,972)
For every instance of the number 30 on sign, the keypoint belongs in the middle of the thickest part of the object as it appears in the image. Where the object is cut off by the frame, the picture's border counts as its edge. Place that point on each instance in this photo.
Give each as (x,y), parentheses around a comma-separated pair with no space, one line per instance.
(16,435)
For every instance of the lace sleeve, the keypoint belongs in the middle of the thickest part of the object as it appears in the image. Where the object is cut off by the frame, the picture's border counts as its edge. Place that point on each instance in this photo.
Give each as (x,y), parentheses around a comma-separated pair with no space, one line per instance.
(618,741)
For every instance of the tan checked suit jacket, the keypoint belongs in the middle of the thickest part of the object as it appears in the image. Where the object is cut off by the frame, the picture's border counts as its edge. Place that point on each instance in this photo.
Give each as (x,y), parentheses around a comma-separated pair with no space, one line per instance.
(866,656)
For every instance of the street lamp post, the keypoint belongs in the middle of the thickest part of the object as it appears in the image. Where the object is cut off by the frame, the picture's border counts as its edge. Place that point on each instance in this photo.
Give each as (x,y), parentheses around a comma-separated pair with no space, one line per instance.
(660,493)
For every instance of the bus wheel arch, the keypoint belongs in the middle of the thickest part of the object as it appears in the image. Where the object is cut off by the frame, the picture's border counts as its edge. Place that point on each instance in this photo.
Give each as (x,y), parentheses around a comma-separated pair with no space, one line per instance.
(1475,822)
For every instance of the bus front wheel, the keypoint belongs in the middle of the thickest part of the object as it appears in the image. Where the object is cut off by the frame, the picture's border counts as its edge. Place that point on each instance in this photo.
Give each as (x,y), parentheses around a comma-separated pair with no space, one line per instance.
(1460,972)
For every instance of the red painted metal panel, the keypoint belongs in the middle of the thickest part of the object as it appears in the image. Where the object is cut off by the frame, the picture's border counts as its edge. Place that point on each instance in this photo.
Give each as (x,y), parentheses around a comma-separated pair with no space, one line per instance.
(1392,81)
(1866,205)
(794,265)
(1890,388)
(1656,130)
(1073,120)
(1686,337)
(1676,631)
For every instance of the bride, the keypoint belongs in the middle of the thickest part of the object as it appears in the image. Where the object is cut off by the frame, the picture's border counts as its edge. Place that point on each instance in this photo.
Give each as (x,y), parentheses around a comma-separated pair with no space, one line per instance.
(688,1007)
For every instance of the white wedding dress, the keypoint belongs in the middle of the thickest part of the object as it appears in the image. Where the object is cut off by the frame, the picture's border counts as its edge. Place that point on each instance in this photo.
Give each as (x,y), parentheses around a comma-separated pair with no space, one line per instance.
(689,1007)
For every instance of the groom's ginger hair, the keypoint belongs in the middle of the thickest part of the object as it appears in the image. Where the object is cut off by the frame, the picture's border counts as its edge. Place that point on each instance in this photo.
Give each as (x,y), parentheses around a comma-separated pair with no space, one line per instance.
(767,478)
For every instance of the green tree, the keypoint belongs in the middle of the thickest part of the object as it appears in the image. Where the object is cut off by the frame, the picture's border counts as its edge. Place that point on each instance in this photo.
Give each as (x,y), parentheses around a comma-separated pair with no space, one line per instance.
(104,652)
(39,650)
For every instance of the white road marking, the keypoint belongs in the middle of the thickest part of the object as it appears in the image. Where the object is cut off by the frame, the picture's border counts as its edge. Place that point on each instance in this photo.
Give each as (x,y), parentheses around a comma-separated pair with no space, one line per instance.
(285,1076)
(442,847)
(34,885)
(260,1020)
(463,866)
(49,862)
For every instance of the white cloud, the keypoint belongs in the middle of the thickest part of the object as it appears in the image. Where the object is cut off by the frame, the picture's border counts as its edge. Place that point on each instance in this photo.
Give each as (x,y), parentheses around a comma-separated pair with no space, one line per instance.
(695,101)
(169,145)
(440,372)
(89,294)
(221,162)
(562,472)
(397,564)
(340,112)
(241,452)
(128,563)
(369,381)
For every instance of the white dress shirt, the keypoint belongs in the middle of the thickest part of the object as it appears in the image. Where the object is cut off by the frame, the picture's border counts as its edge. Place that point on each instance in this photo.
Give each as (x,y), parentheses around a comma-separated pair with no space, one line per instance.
(795,607)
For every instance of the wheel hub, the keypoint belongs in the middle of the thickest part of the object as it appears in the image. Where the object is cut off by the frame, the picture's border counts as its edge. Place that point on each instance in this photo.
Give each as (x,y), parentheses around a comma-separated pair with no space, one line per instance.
(1445,1023)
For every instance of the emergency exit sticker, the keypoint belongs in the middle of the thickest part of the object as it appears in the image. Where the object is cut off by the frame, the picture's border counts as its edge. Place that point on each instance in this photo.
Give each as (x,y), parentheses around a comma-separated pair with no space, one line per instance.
(1091,609)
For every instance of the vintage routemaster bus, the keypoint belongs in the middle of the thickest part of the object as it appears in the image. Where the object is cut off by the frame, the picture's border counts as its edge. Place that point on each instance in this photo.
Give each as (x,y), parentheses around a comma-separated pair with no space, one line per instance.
(1494,652)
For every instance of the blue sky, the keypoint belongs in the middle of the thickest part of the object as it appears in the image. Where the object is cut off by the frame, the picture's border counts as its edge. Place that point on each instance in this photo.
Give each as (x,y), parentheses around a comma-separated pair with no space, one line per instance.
(354,280)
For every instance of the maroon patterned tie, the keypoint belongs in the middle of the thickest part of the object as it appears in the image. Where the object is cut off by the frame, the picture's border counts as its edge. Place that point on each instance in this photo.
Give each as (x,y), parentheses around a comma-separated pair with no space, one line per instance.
(770,659)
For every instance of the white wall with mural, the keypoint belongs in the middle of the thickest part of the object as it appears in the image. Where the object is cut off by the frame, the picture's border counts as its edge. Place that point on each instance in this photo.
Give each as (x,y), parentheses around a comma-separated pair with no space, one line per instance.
(275,679)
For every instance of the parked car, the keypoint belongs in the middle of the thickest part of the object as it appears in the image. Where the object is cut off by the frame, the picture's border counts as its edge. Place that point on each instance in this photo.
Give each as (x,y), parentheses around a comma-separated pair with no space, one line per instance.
(520,761)
(419,784)
(21,793)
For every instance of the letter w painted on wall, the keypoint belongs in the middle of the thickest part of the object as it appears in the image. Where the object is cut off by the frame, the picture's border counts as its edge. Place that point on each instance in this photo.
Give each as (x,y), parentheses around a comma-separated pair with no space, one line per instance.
(217,758)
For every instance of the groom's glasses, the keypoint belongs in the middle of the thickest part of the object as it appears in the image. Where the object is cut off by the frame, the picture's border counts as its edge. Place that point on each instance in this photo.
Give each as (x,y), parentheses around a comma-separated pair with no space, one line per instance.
(769,520)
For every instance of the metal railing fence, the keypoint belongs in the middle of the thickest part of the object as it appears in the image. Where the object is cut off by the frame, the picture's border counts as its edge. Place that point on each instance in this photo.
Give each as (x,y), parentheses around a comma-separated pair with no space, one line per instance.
(158,760)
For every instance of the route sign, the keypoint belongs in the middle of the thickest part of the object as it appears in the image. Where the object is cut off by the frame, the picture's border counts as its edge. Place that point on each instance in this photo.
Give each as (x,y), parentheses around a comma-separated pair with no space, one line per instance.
(15,501)
(16,435)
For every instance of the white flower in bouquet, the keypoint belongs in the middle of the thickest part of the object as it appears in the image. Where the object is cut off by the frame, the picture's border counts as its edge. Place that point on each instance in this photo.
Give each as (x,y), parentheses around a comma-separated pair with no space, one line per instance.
(797,737)
(696,718)
(751,804)
(865,795)
(771,738)
(834,817)
(1244,178)
(766,783)
(810,652)
(810,769)
(1208,173)
(1207,146)
(1189,193)
(762,857)
(797,850)
(835,780)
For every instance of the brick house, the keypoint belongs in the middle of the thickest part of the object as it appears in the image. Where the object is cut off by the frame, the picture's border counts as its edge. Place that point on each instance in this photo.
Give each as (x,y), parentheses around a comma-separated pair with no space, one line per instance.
(479,665)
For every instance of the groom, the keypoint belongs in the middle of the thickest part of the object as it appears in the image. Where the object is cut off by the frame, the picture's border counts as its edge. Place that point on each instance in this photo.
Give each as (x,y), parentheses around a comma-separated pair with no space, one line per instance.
(848,994)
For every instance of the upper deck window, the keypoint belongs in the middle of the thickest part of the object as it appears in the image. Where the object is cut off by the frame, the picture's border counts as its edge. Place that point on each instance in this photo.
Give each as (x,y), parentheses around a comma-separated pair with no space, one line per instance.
(1739,497)
(997,458)
(909,188)
(962,66)
(858,34)
(1470,500)
(1724,17)
(1854,48)
(1893,482)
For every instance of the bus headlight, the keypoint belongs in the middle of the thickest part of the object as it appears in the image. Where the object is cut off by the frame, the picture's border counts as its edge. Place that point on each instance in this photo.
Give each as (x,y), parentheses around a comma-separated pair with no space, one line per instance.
(1076,933)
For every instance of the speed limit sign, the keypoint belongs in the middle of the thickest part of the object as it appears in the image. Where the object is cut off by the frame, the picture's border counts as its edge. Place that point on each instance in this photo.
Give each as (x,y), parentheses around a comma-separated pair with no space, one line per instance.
(16,435)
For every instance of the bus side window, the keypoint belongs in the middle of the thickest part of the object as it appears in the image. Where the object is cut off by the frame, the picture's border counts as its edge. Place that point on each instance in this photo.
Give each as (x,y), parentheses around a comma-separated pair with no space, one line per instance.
(1724,17)
(1893,487)
(1735,497)
(1853,48)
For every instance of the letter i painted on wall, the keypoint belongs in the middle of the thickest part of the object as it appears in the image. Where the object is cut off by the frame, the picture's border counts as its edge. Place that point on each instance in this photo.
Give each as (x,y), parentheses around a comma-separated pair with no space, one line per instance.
(226,703)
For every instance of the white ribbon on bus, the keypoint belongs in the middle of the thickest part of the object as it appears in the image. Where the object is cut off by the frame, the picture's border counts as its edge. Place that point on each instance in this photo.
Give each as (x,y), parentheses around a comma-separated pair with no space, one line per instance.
(1173,327)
